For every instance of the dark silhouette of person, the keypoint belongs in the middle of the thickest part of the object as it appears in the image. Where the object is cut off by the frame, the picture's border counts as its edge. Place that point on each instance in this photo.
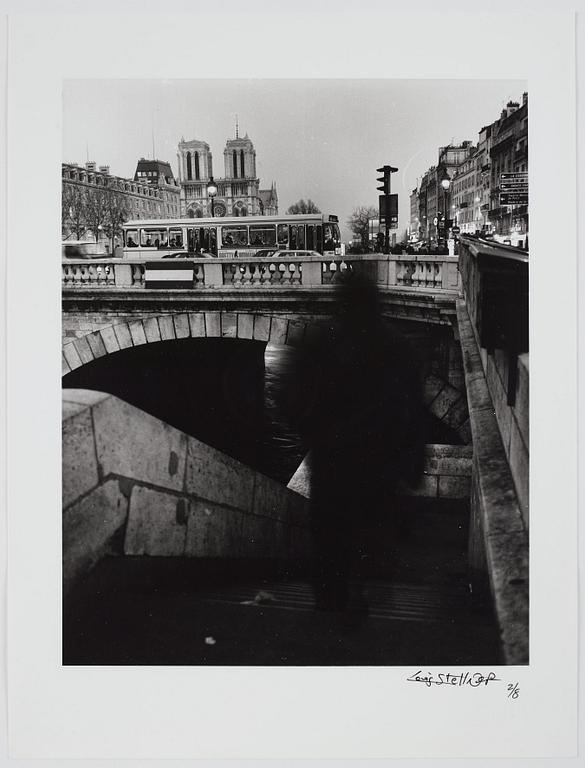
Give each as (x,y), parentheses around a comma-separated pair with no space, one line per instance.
(355,397)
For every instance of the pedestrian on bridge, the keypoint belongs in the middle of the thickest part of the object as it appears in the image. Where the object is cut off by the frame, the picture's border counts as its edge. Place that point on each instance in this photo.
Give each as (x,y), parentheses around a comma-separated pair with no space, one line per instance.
(356,398)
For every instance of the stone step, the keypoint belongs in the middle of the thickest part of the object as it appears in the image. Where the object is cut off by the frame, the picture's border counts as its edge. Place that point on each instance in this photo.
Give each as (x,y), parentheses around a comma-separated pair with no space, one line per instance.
(268,621)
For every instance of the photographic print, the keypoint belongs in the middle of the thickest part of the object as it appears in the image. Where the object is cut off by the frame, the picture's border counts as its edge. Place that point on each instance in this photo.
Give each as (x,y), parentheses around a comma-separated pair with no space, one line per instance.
(295,383)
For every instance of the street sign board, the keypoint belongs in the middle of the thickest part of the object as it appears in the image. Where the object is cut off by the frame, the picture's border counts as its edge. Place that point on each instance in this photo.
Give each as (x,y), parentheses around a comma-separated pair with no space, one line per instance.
(388,205)
(516,176)
(513,198)
(456,230)
(514,182)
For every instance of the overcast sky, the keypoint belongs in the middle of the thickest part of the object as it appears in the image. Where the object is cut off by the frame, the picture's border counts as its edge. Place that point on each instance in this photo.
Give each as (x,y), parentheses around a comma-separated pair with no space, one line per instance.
(321,139)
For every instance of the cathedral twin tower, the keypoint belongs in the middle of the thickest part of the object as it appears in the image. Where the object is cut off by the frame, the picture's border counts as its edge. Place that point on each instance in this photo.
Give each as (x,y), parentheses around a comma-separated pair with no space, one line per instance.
(238,192)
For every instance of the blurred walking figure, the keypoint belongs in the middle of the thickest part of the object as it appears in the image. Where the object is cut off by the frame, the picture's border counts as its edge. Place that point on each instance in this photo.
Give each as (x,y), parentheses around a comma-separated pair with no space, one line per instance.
(356,399)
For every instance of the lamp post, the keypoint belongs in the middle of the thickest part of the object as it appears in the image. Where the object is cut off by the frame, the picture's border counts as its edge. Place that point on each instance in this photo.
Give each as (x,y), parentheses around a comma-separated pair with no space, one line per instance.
(445,184)
(211,193)
(477,215)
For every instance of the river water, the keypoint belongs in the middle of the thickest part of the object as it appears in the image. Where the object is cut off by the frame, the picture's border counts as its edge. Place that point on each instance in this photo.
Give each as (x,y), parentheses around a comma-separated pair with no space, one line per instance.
(281,452)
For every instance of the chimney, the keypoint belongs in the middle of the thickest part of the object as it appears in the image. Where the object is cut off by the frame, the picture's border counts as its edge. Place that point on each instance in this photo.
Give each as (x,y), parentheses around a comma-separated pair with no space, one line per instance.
(90,165)
(105,169)
(525,98)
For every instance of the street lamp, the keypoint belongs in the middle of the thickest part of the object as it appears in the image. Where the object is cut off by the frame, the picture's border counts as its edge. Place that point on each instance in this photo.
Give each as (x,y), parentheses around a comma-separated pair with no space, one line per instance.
(446,184)
(211,193)
(477,214)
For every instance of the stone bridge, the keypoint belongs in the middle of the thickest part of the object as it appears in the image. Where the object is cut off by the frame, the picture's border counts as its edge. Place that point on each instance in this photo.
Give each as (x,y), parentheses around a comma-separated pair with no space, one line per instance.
(107,308)
(471,330)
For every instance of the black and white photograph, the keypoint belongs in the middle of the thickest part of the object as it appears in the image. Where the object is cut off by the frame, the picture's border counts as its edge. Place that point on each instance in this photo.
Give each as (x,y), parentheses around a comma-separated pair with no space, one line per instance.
(295,372)
(291,383)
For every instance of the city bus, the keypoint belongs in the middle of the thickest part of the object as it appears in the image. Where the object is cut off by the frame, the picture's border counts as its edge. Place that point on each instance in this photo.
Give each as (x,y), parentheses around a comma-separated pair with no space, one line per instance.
(234,237)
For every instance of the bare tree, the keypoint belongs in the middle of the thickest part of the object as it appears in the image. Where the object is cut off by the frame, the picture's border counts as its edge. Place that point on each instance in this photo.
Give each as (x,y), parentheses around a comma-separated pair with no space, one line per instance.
(97,209)
(303,206)
(117,213)
(359,223)
(73,210)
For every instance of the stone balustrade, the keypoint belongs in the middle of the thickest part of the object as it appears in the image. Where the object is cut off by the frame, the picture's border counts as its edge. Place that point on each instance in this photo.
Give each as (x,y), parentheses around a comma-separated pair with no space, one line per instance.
(405,272)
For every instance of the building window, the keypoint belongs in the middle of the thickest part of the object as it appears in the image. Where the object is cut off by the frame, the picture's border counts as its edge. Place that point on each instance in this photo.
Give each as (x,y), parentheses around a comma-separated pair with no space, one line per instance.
(242,174)
(235,163)
(189,169)
(197,166)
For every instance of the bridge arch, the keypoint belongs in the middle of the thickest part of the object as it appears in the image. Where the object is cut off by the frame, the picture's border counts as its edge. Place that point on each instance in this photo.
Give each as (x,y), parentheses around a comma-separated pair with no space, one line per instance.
(106,339)
(445,402)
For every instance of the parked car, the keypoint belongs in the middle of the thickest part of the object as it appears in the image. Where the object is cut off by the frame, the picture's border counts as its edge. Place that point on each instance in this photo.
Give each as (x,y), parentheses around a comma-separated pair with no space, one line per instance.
(79,249)
(296,254)
(187,255)
(264,253)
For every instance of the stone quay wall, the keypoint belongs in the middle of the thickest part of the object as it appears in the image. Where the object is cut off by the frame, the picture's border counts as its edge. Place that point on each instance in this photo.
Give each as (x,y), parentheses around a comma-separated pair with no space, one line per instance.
(133,485)
(498,546)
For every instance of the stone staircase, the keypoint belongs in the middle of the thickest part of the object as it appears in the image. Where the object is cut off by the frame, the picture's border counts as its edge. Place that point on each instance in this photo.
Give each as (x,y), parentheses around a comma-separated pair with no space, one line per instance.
(185,611)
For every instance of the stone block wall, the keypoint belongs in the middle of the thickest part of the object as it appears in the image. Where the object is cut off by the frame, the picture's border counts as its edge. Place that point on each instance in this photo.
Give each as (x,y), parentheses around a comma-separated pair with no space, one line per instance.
(133,485)
(498,546)
(512,419)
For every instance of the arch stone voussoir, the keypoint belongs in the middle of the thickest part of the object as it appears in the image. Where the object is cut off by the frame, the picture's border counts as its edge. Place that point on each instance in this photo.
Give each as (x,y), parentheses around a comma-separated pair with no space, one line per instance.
(261,327)
(181,324)
(123,335)
(245,326)
(279,330)
(167,328)
(197,325)
(137,332)
(213,324)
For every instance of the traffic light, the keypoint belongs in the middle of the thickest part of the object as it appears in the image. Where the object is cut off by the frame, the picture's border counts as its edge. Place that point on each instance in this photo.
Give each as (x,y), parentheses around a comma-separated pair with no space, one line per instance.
(387,170)
(385,179)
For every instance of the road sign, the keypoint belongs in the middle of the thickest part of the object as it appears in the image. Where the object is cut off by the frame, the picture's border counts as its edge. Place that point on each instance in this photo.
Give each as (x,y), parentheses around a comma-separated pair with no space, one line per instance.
(388,205)
(456,230)
(514,182)
(513,198)
(518,176)
(435,221)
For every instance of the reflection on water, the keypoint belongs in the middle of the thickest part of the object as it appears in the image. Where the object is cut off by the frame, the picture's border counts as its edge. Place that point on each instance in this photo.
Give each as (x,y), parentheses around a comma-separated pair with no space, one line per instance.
(281,452)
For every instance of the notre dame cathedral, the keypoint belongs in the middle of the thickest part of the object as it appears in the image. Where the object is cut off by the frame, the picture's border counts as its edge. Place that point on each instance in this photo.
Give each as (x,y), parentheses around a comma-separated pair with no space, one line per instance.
(238,192)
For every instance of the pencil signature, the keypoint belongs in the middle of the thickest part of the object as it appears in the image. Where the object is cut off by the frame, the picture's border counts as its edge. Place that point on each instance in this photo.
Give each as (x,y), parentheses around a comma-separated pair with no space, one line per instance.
(461,679)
